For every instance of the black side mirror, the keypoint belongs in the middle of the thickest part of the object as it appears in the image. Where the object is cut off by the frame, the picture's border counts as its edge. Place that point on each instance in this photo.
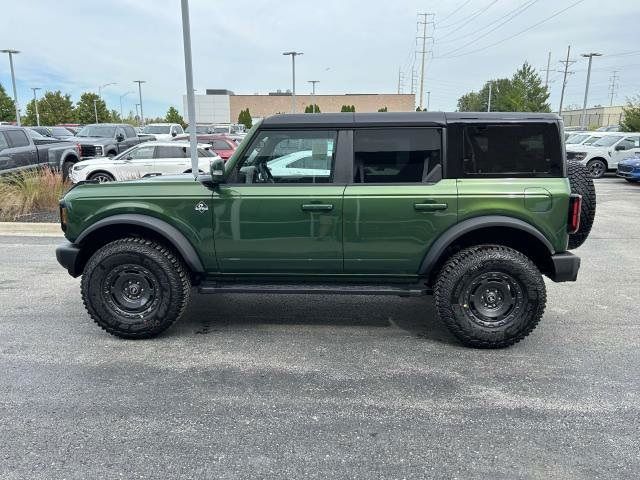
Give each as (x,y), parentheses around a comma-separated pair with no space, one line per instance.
(120,137)
(174,133)
(620,147)
(216,170)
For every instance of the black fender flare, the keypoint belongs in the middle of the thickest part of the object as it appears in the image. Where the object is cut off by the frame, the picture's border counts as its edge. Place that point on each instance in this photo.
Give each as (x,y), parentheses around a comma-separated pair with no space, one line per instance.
(476,223)
(65,156)
(162,228)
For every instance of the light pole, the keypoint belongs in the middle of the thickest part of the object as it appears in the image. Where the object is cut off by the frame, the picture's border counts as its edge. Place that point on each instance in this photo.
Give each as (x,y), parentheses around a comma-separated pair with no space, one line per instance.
(121,97)
(95,109)
(140,82)
(313,93)
(586,88)
(489,101)
(35,102)
(191,98)
(293,70)
(13,81)
(428,100)
(137,113)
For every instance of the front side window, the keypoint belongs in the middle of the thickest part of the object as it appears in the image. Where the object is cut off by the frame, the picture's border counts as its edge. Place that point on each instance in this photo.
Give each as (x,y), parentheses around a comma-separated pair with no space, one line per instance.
(3,142)
(607,141)
(17,138)
(289,157)
(511,150)
(630,142)
(130,132)
(397,155)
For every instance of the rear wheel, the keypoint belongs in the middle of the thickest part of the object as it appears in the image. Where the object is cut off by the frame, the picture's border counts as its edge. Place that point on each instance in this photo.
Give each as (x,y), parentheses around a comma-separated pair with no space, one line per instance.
(597,168)
(490,296)
(102,177)
(135,288)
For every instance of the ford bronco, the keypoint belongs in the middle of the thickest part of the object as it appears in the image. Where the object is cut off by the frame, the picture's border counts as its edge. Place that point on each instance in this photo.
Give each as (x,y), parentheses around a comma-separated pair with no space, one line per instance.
(471,208)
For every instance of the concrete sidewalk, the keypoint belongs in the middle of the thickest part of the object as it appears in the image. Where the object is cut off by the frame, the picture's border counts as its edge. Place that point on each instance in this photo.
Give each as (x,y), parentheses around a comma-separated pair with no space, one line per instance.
(26,229)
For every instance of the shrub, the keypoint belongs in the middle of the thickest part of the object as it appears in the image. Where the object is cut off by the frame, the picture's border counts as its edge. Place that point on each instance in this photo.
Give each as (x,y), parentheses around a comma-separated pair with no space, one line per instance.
(30,191)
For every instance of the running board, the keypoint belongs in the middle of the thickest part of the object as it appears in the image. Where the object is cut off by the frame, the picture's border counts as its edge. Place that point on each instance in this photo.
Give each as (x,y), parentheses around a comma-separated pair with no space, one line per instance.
(413,290)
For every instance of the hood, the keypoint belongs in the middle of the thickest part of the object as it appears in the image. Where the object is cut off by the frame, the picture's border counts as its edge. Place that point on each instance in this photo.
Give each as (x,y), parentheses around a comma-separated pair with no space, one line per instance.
(633,161)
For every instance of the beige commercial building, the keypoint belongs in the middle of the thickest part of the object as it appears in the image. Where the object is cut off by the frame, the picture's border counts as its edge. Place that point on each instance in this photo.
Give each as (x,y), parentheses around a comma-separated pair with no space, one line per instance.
(223,106)
(596,117)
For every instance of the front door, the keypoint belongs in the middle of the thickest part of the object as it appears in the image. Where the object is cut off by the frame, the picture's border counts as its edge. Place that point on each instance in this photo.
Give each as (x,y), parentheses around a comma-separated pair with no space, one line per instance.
(281,209)
(626,148)
(398,202)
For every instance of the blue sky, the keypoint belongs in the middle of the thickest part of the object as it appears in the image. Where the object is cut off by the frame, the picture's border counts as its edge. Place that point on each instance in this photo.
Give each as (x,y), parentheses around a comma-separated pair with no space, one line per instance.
(350,46)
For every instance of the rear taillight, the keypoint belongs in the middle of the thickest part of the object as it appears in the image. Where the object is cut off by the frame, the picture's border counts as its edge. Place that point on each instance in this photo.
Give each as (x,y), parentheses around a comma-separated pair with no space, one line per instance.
(575,205)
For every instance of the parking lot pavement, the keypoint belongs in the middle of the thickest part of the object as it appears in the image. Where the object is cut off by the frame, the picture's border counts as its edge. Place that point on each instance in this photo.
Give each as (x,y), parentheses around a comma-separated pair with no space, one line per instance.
(324,387)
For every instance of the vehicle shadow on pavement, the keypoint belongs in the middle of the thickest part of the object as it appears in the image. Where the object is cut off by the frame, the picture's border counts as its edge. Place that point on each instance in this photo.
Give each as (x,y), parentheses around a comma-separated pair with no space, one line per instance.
(416,316)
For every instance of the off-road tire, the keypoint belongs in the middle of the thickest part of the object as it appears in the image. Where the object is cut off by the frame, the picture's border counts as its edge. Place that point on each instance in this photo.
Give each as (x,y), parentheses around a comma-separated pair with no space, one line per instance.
(582,183)
(479,263)
(150,264)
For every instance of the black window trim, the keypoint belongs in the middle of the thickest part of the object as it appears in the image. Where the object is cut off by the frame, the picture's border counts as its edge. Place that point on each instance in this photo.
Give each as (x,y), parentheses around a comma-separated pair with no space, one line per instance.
(443,152)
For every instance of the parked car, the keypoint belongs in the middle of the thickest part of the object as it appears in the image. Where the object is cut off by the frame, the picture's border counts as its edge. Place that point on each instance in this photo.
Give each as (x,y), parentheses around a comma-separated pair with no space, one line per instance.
(230,129)
(61,133)
(19,150)
(163,131)
(106,139)
(604,154)
(142,159)
(609,128)
(390,211)
(629,169)
(584,138)
(222,145)
(200,129)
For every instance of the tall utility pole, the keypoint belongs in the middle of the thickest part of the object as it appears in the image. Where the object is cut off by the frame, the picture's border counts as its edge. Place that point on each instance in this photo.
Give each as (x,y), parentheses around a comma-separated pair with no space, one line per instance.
(586,88)
(489,100)
(13,81)
(95,109)
(400,81)
(138,113)
(428,100)
(613,87)
(293,70)
(35,103)
(121,97)
(313,93)
(140,82)
(546,77)
(424,22)
(566,62)
(191,97)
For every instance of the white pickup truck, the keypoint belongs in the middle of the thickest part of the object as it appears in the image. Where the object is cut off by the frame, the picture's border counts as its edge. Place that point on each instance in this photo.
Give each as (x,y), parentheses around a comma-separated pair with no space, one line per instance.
(604,154)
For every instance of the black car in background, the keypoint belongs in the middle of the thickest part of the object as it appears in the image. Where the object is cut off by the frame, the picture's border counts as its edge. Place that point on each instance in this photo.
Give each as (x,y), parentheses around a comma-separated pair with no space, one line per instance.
(61,133)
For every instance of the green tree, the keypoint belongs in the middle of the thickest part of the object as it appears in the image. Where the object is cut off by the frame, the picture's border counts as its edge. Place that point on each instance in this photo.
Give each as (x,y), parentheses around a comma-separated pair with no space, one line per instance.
(244,118)
(7,107)
(312,109)
(383,109)
(173,116)
(631,115)
(348,108)
(53,107)
(85,112)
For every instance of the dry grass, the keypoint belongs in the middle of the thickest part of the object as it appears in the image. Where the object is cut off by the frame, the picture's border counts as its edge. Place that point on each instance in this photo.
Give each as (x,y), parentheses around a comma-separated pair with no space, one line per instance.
(31,191)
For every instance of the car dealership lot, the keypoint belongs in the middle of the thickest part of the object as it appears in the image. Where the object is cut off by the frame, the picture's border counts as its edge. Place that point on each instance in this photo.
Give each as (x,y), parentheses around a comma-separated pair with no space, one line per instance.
(324,387)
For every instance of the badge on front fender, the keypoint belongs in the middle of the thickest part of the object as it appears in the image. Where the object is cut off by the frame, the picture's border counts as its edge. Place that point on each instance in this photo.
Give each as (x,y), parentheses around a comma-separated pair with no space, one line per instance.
(201,207)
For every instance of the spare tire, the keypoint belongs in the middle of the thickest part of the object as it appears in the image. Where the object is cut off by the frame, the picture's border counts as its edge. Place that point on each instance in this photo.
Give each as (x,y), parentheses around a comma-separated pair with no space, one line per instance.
(582,184)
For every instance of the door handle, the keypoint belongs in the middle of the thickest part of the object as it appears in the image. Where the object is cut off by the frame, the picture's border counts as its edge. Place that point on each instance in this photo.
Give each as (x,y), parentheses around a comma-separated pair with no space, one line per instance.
(429,207)
(317,207)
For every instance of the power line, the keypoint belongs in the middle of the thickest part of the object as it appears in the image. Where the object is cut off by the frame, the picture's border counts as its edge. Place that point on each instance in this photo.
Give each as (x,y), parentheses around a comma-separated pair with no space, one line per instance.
(471,18)
(515,34)
(464,19)
(456,10)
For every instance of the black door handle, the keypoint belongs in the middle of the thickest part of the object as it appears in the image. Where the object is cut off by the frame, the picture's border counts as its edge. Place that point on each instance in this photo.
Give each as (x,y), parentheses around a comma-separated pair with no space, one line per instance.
(317,207)
(429,207)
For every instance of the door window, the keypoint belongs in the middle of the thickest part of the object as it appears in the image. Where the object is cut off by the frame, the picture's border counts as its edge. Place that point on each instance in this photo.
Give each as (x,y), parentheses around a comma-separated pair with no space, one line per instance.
(397,155)
(289,157)
(630,142)
(220,145)
(130,132)
(142,153)
(3,142)
(17,138)
(178,151)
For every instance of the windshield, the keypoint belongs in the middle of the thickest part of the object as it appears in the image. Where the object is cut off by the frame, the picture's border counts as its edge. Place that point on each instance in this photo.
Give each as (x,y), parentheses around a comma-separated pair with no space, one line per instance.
(104,131)
(577,138)
(35,135)
(157,129)
(220,130)
(607,141)
(591,140)
(199,129)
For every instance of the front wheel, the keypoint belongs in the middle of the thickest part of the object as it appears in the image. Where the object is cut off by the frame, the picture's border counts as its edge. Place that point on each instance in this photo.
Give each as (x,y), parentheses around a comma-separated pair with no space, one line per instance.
(490,296)
(597,168)
(135,288)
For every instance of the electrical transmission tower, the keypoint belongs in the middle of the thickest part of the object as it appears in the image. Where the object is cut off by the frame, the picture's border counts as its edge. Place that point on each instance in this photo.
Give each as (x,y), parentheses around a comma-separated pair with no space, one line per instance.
(401,81)
(613,86)
(426,19)
(566,72)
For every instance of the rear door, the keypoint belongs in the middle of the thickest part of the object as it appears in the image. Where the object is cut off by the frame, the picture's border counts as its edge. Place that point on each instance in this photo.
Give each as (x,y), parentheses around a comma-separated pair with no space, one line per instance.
(19,151)
(398,201)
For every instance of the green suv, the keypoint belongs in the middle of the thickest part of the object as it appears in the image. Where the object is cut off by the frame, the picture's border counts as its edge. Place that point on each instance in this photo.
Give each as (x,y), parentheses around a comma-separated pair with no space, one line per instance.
(470,208)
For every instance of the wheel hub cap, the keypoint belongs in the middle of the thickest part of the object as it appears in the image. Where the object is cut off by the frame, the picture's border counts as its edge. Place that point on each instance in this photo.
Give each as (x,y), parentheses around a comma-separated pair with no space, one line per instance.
(491,297)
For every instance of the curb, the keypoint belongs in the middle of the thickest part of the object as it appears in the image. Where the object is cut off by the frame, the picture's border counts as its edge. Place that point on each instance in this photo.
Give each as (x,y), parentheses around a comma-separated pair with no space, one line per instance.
(27,229)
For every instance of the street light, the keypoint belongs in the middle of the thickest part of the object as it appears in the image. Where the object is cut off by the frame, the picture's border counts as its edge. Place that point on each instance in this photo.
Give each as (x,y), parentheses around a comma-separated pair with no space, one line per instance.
(313,93)
(35,102)
(121,97)
(191,98)
(586,88)
(293,69)
(140,82)
(13,81)
(95,109)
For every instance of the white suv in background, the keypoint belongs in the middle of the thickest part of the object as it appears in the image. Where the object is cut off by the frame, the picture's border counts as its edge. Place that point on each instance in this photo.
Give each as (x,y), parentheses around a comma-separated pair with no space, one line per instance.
(145,158)
(605,153)
(584,138)
(163,131)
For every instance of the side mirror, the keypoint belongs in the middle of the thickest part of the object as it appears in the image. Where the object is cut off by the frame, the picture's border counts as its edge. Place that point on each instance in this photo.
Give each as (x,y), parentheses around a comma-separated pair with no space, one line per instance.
(620,147)
(173,133)
(216,170)
(120,137)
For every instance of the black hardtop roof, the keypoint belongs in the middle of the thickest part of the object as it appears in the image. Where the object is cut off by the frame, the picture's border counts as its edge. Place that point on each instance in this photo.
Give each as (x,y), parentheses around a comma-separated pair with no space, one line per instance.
(350,119)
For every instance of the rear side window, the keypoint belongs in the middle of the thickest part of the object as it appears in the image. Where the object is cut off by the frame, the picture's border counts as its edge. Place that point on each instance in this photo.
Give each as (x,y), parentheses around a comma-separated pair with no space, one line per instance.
(220,144)
(397,155)
(511,150)
(171,152)
(3,142)
(17,138)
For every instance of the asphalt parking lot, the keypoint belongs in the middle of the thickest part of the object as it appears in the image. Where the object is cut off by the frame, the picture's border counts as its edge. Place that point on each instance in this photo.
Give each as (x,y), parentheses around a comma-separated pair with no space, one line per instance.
(324,387)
